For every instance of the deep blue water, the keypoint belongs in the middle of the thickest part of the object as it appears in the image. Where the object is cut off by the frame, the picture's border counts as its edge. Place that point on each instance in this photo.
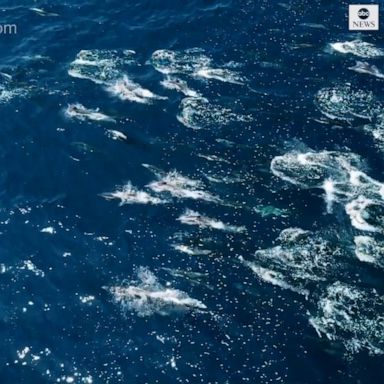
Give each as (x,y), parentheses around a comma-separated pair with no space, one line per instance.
(64,245)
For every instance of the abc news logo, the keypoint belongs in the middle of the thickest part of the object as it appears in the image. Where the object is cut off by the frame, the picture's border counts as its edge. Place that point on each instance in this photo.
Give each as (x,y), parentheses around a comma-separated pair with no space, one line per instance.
(364,17)
(363,13)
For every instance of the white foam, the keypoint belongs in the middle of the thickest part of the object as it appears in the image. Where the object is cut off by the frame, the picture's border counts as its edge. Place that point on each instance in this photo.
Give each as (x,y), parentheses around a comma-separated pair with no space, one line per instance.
(358,48)
(298,263)
(29,266)
(195,63)
(366,68)
(369,250)
(147,297)
(221,74)
(116,135)
(107,67)
(329,188)
(185,62)
(358,212)
(22,354)
(190,250)
(78,111)
(49,230)
(199,113)
(190,217)
(352,316)
(100,66)
(42,12)
(377,132)
(175,83)
(127,90)
(344,102)
(87,299)
(8,92)
(338,174)
(181,187)
(273,277)
(130,195)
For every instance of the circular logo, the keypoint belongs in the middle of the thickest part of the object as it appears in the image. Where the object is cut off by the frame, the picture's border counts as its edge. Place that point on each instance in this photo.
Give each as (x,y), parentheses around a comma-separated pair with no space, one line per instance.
(363,13)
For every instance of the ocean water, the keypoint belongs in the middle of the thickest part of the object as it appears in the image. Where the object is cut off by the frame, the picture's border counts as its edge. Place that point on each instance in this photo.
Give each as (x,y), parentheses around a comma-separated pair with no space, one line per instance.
(191,192)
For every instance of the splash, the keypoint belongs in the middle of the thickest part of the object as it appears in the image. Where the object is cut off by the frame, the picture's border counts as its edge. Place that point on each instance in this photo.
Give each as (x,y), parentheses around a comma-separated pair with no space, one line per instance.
(352,316)
(186,62)
(346,103)
(181,187)
(126,89)
(190,217)
(176,84)
(199,113)
(221,74)
(366,68)
(369,250)
(339,175)
(146,296)
(195,63)
(100,66)
(107,68)
(130,195)
(298,263)
(9,92)
(366,214)
(43,13)
(116,135)
(358,48)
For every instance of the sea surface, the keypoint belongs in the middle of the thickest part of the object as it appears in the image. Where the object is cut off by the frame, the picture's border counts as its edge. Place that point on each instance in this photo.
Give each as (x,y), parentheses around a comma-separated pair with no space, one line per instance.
(190,192)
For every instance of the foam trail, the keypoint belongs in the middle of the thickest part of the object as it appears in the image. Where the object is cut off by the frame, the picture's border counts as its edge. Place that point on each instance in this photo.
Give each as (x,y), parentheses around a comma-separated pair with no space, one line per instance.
(43,13)
(195,63)
(329,189)
(180,187)
(185,62)
(338,174)
(190,217)
(78,111)
(352,316)
(369,250)
(358,48)
(100,66)
(273,277)
(199,113)
(220,74)
(300,260)
(358,212)
(116,135)
(126,89)
(147,297)
(8,91)
(343,102)
(130,195)
(107,68)
(191,251)
(174,83)
(366,68)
